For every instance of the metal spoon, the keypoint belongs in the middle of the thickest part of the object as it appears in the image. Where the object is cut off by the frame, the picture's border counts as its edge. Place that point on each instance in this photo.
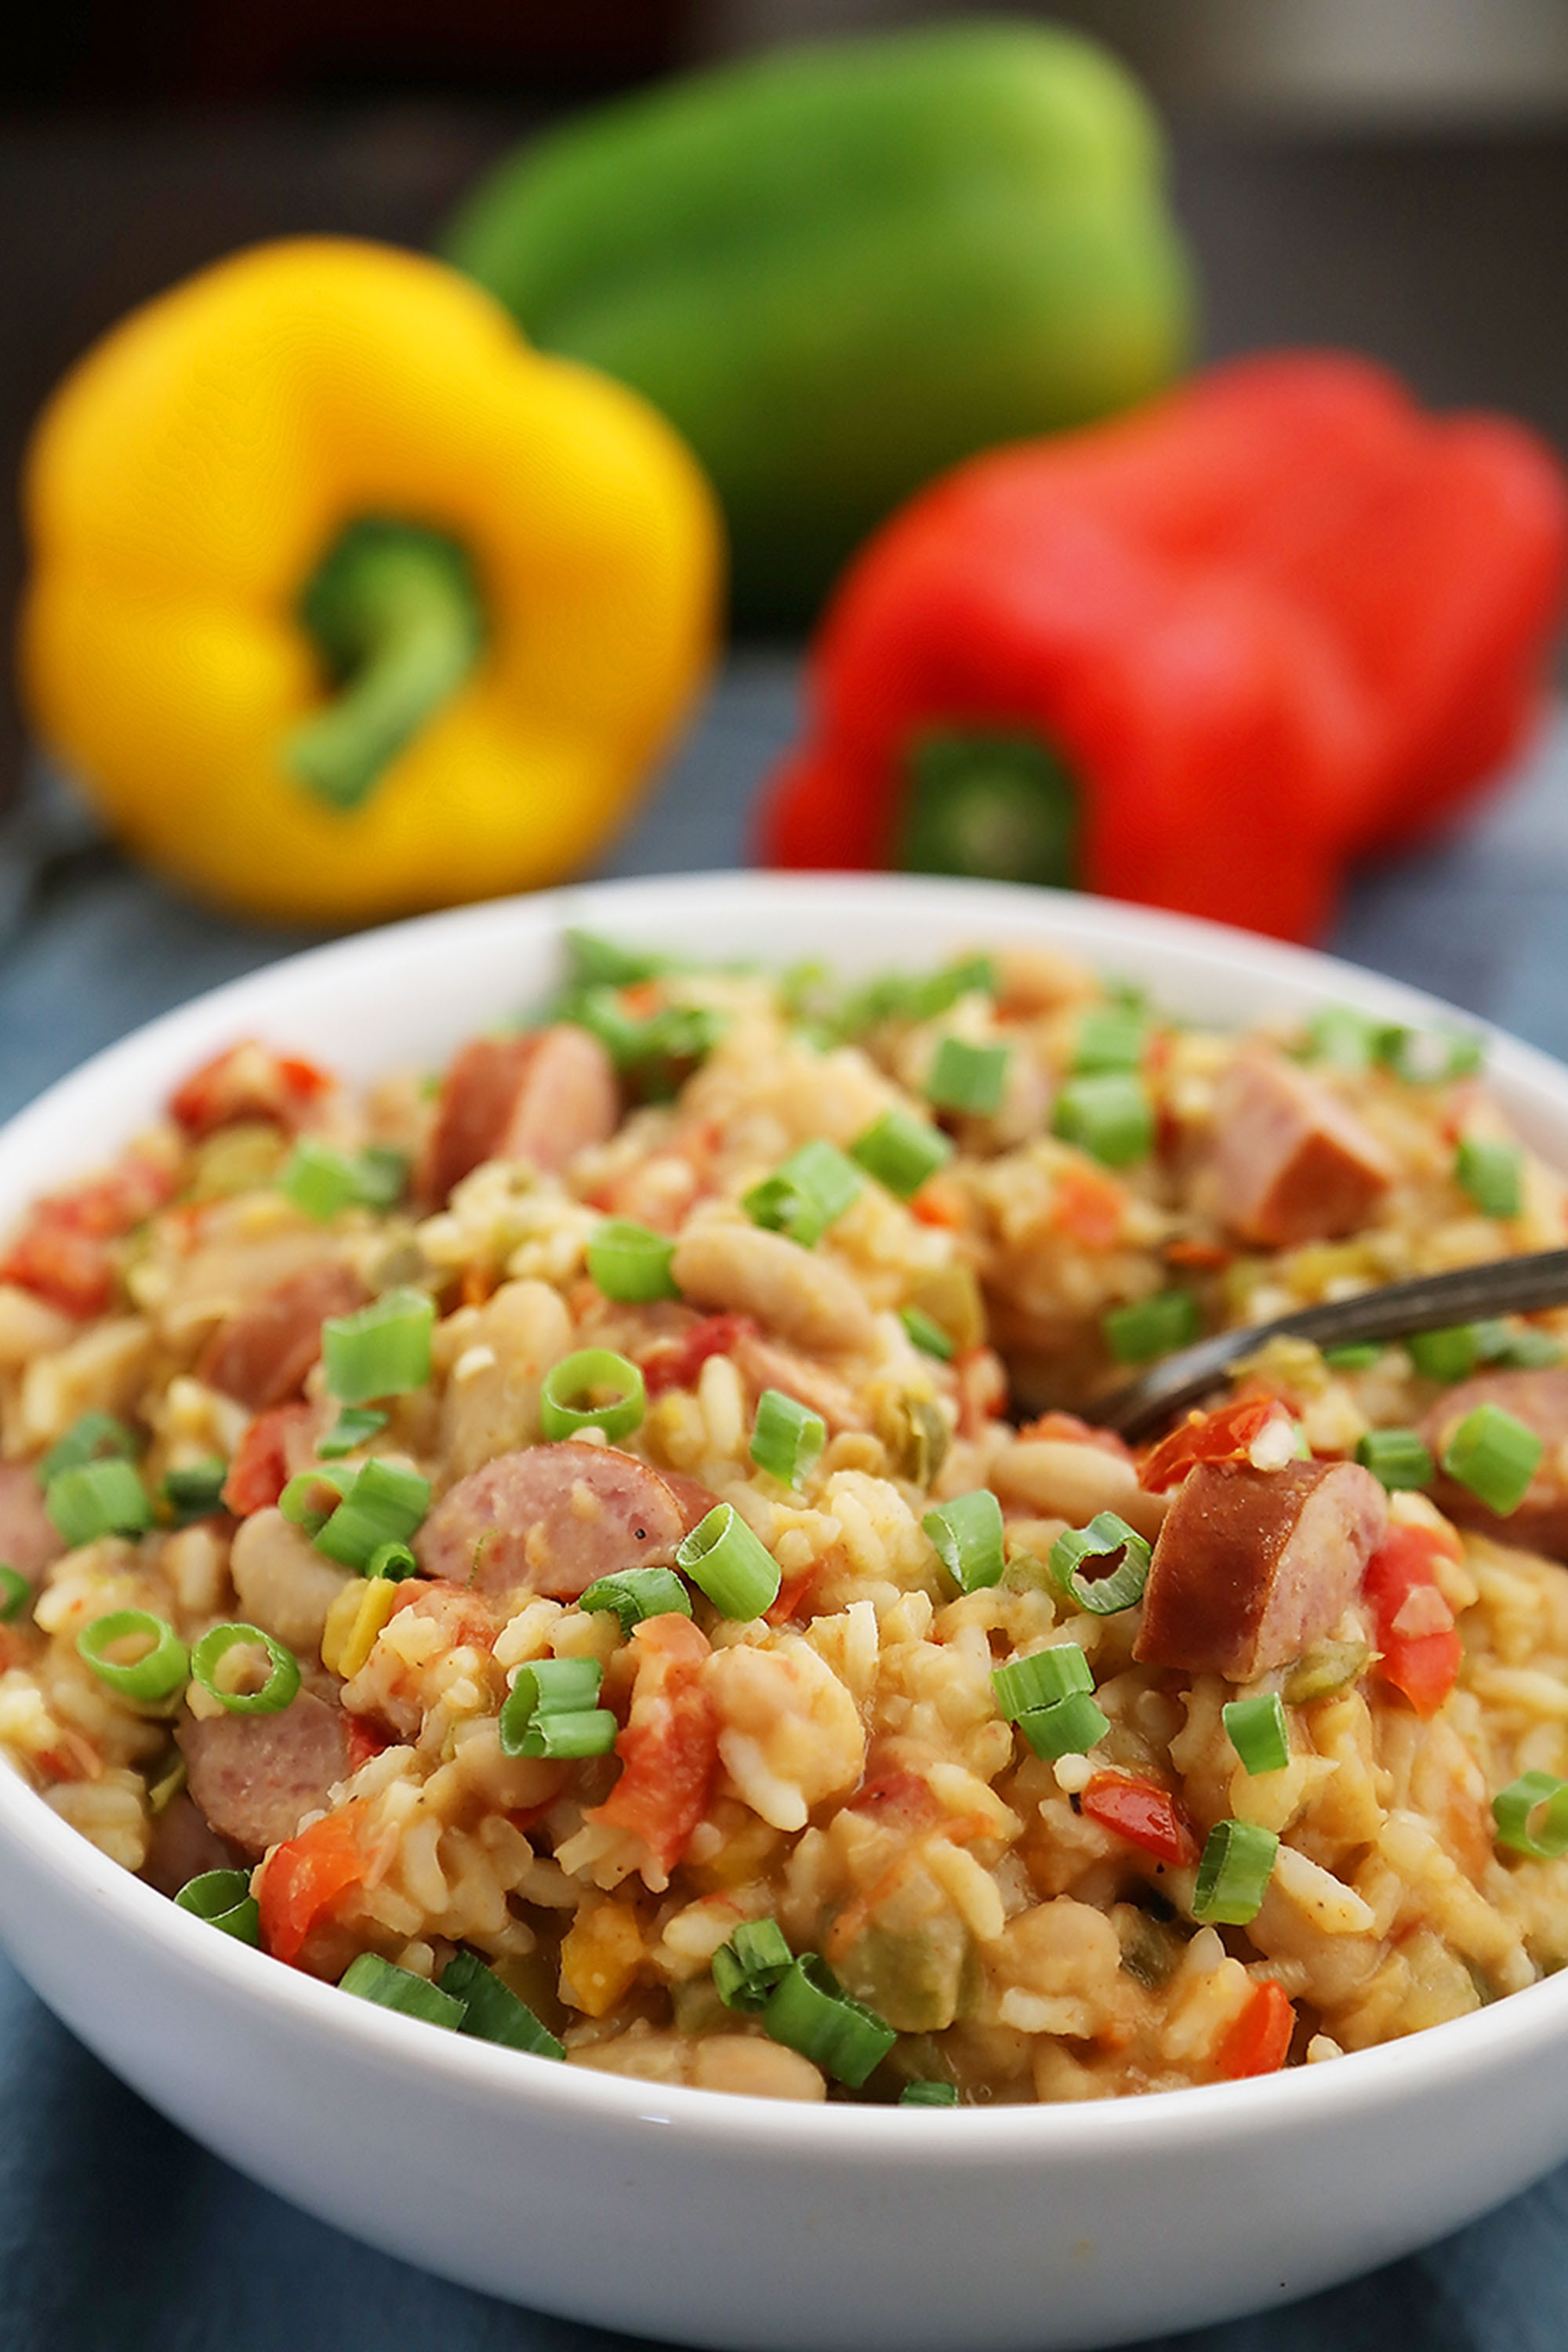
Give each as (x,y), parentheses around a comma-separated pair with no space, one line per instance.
(1504,1286)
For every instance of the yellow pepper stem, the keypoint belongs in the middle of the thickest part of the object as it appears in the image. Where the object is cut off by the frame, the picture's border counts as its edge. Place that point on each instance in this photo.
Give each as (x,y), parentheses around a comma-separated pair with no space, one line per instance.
(396,612)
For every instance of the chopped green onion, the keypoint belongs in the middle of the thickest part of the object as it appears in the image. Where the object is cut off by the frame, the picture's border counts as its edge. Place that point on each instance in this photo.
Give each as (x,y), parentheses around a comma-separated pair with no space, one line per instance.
(1347,1039)
(393,1561)
(318,1180)
(15,1594)
(162,1669)
(583,1731)
(384,1351)
(747,1969)
(1524,1347)
(901,1151)
(1398,1458)
(370,1977)
(275,1693)
(787,1437)
(650,1051)
(635,1593)
(383,1174)
(568,1401)
(1237,1864)
(1493,1174)
(196,1491)
(562,1690)
(383,1505)
(98,1498)
(929,2095)
(896,996)
(1109,1038)
(630,1261)
(1106,1537)
(968,1078)
(224,1899)
(927,1333)
(1495,1455)
(1151,1327)
(1040,1679)
(806,1193)
(352,1428)
(1430,1057)
(1111,1116)
(807,2011)
(1258,1732)
(1355,1356)
(301,1501)
(967,1534)
(732,1564)
(1448,1355)
(1514,1808)
(596,963)
(92,1437)
(493,2011)
(1068,1727)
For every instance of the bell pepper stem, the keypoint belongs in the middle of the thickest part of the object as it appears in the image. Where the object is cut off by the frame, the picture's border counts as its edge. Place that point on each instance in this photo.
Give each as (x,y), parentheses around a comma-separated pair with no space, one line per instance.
(397,616)
(1001,807)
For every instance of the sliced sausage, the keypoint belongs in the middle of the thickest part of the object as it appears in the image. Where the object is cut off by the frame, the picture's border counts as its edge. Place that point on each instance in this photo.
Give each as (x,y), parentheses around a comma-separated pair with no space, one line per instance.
(285,1585)
(28,1541)
(183,1845)
(1291,1164)
(1539,1399)
(1252,1567)
(255,1777)
(545,1097)
(262,1354)
(552,1519)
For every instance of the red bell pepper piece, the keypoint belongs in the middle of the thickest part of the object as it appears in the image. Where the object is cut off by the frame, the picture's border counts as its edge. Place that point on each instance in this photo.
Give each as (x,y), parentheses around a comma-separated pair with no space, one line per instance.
(670,1748)
(1413,1624)
(62,1253)
(1225,1436)
(306,1875)
(1198,657)
(249,1081)
(1141,1815)
(1258,2041)
(259,1470)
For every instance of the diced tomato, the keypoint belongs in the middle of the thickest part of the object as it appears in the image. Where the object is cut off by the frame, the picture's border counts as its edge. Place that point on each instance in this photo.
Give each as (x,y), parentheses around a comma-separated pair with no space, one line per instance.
(941,1202)
(1087,1206)
(60,1254)
(1413,1624)
(1198,1257)
(1141,1814)
(1227,1435)
(792,1594)
(899,1798)
(306,1875)
(669,1747)
(1065,1429)
(1258,2041)
(366,1738)
(675,1363)
(259,1469)
(247,1081)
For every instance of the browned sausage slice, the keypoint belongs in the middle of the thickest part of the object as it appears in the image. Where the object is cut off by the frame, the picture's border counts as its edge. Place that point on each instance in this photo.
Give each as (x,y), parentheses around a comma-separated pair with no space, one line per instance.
(1539,1398)
(183,1845)
(1291,1164)
(551,1519)
(27,1538)
(1252,1567)
(543,1097)
(256,1776)
(262,1354)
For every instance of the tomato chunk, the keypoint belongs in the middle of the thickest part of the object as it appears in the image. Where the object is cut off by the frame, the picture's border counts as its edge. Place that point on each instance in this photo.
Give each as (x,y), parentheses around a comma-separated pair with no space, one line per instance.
(60,1254)
(675,1363)
(1141,1814)
(669,1747)
(1088,1206)
(1225,1435)
(1413,1624)
(247,1081)
(1258,2041)
(307,1876)
(259,1469)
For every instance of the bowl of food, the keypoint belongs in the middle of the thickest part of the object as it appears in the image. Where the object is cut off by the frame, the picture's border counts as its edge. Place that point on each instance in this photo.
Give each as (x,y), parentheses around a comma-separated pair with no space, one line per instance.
(550,1483)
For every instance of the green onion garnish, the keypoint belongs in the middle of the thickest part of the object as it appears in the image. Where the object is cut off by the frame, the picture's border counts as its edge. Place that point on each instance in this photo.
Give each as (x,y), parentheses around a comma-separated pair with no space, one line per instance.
(384,1351)
(15,1594)
(1040,1679)
(929,2095)
(968,1078)
(927,1333)
(1538,1798)
(732,1564)
(370,1977)
(1495,1455)
(1429,1057)
(352,1428)
(631,1261)
(161,1670)
(635,1593)
(1397,1458)
(493,2011)
(98,1498)
(651,1050)
(550,1710)
(384,1504)
(1524,1347)
(1111,1116)
(1348,1039)
(594,1388)
(1106,1537)
(570,1733)
(312,1497)
(92,1437)
(596,963)
(747,1969)
(195,1492)
(394,1561)
(1448,1355)
(1068,1727)
(1355,1356)
(224,1899)
(1109,1038)
(967,1534)
(807,2011)
(1234,1873)
(1151,1327)
(318,1180)
(1258,1732)
(901,1151)
(806,1193)
(275,1693)
(787,1438)
(1493,1174)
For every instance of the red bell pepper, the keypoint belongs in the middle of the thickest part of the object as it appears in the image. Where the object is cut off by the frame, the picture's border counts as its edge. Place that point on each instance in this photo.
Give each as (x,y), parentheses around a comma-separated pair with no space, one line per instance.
(1198,657)
(1141,1814)
(1258,2041)
(1414,1626)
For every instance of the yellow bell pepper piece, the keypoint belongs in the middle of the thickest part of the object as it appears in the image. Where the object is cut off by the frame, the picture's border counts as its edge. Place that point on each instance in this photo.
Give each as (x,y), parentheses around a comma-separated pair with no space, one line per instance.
(345,602)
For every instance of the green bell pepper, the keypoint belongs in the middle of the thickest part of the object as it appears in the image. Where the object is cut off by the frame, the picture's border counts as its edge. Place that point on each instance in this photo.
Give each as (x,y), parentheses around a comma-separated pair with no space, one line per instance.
(837,269)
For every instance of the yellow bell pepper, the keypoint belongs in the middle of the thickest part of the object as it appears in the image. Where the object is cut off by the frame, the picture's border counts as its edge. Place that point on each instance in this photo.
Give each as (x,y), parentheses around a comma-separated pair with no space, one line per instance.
(347,602)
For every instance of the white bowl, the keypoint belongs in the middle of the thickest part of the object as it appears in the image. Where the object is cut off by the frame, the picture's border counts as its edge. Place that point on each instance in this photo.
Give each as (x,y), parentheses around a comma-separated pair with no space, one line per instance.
(686,2214)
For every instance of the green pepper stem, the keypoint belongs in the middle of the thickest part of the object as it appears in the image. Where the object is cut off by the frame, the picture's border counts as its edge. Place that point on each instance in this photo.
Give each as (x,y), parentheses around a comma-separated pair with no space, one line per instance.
(1000,807)
(396,616)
